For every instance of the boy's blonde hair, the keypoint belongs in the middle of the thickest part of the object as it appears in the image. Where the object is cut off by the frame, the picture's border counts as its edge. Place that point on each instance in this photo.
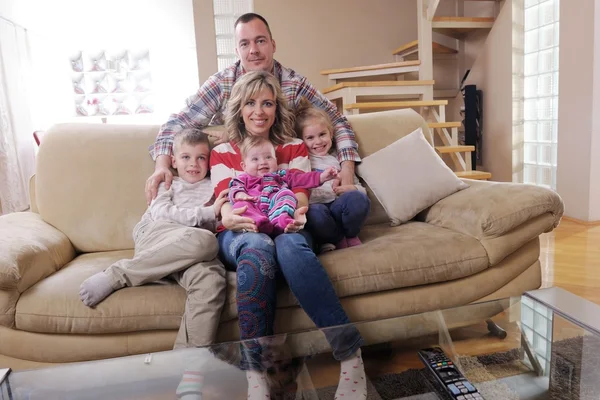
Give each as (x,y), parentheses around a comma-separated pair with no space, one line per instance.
(251,142)
(247,86)
(306,113)
(189,136)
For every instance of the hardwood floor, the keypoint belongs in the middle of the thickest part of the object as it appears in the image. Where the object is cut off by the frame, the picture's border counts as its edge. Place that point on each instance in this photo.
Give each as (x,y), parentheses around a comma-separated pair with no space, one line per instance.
(570,258)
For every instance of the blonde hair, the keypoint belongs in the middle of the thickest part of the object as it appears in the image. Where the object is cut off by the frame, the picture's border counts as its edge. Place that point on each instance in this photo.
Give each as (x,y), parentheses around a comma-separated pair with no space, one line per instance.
(189,136)
(247,86)
(306,113)
(251,142)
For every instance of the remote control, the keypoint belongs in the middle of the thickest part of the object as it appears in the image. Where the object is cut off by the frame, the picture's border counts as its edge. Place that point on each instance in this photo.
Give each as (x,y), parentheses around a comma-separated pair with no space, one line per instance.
(446,373)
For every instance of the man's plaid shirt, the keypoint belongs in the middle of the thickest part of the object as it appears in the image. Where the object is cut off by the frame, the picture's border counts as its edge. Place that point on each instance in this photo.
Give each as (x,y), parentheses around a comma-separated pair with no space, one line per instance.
(208,105)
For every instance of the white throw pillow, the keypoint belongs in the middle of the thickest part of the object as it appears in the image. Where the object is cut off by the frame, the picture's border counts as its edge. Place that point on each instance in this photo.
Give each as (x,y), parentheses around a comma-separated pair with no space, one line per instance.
(408,176)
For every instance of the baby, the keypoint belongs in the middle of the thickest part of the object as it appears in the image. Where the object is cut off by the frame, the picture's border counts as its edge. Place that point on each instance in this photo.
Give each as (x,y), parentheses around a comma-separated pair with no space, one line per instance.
(265,190)
(337,212)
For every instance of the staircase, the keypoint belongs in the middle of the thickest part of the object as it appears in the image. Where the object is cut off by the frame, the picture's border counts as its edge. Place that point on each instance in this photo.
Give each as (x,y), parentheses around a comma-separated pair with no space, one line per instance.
(408,81)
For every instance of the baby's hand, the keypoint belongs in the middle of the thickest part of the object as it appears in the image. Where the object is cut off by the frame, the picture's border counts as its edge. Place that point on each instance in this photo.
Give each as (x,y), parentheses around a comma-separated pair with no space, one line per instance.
(329,174)
(241,196)
(222,199)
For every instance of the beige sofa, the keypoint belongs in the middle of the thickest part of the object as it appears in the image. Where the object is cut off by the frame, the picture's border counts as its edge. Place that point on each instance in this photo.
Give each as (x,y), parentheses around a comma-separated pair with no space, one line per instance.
(480,243)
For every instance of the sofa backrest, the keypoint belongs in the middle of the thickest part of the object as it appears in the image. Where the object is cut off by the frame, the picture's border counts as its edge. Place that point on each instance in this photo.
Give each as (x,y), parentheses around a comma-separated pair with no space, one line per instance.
(90,181)
(90,178)
(375,131)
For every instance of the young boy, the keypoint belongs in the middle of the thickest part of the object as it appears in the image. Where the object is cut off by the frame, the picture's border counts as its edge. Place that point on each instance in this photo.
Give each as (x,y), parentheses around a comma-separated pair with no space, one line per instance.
(175,238)
(266,190)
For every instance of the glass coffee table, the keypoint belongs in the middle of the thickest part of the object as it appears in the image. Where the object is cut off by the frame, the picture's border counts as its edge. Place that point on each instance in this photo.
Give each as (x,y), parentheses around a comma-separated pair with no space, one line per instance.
(542,345)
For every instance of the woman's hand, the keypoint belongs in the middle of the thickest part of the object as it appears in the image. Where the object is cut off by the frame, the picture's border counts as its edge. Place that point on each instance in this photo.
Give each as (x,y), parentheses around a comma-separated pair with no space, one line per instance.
(299,220)
(241,196)
(222,199)
(233,220)
(344,189)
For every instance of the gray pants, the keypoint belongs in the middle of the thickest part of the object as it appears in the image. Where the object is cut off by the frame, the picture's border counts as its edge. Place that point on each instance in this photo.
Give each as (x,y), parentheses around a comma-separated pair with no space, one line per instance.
(188,256)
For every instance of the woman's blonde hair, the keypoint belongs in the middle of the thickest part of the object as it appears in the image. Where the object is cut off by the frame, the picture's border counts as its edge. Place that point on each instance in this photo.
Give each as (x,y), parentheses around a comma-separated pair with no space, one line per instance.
(306,113)
(247,86)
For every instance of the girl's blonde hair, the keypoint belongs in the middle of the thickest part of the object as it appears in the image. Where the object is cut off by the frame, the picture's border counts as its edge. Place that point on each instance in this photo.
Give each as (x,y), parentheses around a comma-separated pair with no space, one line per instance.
(306,113)
(247,86)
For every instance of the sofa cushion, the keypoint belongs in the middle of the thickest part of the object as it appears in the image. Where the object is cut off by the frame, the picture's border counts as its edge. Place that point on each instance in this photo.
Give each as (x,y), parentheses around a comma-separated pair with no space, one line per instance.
(407,176)
(411,254)
(53,305)
(95,197)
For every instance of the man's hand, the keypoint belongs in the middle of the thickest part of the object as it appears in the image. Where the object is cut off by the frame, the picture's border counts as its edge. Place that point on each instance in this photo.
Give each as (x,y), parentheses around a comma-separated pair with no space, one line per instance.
(347,173)
(219,136)
(222,199)
(162,173)
(344,189)
(328,174)
(299,220)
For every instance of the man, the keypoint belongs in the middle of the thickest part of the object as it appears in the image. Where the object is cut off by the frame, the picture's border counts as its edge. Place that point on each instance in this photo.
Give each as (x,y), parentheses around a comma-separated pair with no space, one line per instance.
(255,48)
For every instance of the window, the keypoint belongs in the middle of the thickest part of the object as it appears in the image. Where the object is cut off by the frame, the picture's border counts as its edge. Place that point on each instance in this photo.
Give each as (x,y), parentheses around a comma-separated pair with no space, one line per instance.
(226,12)
(541,25)
(109,83)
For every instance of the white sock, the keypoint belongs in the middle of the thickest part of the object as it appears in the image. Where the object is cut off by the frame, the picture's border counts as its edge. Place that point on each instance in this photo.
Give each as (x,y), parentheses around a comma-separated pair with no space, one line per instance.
(95,289)
(190,387)
(353,383)
(258,388)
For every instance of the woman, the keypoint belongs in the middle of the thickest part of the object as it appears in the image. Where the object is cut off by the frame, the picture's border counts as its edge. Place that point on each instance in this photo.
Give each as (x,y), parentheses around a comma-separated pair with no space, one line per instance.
(257,107)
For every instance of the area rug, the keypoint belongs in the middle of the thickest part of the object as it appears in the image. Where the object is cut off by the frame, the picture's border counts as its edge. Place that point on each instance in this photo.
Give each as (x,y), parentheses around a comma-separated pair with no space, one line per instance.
(419,384)
(575,365)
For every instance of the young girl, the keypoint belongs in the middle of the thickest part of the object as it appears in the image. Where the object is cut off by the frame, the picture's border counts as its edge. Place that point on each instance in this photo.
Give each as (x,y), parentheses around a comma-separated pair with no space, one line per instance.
(336,212)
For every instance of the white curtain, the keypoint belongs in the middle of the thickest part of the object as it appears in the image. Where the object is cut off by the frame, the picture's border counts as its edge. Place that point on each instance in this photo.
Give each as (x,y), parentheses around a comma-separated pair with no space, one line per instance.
(17,159)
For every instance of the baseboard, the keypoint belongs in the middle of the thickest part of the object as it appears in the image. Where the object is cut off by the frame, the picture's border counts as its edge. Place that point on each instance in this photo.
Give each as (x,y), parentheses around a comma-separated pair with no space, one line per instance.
(581,222)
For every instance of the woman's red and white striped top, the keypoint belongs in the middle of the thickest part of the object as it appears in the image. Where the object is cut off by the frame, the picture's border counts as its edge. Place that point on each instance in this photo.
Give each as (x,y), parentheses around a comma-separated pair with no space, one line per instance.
(225,162)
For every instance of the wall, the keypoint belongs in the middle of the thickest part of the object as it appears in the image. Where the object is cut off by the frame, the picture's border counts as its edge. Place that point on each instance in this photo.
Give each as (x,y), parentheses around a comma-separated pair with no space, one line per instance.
(492,73)
(206,47)
(166,28)
(578,174)
(594,214)
(313,35)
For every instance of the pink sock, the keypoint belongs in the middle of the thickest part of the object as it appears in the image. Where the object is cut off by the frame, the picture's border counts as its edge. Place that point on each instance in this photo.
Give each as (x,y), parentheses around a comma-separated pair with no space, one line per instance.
(342,244)
(353,241)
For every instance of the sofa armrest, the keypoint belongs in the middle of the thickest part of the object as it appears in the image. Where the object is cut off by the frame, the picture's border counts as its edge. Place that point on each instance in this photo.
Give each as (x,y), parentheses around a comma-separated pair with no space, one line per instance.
(30,250)
(492,209)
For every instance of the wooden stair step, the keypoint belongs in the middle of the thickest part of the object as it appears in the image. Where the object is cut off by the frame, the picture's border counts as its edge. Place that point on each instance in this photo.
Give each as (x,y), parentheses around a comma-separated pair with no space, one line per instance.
(343,85)
(459,27)
(454,149)
(478,175)
(395,104)
(444,124)
(414,45)
(465,20)
(371,67)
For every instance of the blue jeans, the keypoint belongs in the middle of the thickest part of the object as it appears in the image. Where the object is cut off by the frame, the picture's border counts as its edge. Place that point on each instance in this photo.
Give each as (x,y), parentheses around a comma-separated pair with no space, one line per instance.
(258,259)
(343,217)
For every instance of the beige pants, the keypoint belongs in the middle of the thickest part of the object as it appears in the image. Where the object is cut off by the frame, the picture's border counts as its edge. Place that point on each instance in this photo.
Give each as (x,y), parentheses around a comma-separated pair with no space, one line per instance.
(188,256)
